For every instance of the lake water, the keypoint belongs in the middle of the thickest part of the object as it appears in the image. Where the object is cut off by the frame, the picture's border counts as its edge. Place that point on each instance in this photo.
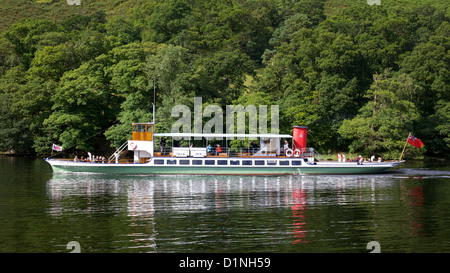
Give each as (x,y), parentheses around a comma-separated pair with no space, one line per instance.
(405,210)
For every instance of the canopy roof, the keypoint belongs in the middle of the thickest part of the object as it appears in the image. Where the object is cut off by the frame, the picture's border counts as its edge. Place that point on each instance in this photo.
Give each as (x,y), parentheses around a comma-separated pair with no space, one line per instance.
(211,136)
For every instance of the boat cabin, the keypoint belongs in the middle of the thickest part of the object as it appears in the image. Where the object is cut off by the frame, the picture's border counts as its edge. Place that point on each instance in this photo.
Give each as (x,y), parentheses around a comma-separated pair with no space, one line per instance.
(141,142)
(142,131)
(145,144)
(266,145)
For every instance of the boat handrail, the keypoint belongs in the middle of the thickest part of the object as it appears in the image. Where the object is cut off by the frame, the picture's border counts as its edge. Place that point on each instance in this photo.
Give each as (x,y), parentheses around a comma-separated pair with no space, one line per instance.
(237,152)
(316,155)
(118,151)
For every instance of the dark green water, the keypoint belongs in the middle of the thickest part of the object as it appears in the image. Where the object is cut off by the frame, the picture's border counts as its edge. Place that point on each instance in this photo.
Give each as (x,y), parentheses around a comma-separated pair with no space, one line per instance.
(406,210)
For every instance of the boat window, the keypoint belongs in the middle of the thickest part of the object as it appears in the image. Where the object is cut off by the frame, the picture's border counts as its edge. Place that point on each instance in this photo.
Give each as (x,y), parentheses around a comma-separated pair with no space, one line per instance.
(171,162)
(184,162)
(259,162)
(197,162)
(210,162)
(222,162)
(142,128)
(138,128)
(271,162)
(284,162)
(159,161)
(234,162)
(296,162)
(247,162)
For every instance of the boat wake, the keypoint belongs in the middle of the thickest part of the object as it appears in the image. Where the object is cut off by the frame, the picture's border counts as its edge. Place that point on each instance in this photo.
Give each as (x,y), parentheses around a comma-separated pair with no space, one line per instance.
(421,173)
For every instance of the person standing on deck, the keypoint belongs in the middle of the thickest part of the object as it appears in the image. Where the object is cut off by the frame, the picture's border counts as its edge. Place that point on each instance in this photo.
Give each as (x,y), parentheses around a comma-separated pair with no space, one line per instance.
(285,146)
(162,145)
(208,149)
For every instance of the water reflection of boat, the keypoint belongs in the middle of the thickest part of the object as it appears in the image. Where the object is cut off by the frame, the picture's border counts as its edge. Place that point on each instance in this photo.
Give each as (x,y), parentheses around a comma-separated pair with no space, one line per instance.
(189,193)
(268,159)
(148,204)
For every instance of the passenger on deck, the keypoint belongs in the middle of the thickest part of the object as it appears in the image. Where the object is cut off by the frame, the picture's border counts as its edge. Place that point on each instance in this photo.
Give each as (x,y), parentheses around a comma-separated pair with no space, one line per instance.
(360,160)
(209,149)
(285,146)
(219,150)
(254,147)
(162,145)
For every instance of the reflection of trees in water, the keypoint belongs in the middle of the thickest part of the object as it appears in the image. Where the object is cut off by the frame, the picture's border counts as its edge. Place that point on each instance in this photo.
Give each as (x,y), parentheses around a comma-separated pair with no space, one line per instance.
(208,192)
(236,207)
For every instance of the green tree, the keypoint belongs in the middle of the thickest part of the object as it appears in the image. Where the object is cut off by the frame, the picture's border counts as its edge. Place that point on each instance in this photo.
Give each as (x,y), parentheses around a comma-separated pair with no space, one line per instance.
(8,59)
(124,30)
(220,76)
(167,19)
(443,127)
(15,134)
(25,36)
(132,81)
(429,65)
(383,124)
(51,62)
(83,105)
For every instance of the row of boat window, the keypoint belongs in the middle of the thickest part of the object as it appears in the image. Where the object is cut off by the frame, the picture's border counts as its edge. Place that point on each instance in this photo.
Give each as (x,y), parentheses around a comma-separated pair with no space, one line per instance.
(227,162)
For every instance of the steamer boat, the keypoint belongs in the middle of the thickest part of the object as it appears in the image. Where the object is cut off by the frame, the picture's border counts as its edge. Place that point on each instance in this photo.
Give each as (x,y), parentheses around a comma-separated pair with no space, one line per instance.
(270,158)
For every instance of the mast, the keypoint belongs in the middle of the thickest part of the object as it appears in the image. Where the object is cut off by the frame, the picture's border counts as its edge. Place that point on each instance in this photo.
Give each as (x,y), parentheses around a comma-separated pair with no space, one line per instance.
(154,100)
(400,159)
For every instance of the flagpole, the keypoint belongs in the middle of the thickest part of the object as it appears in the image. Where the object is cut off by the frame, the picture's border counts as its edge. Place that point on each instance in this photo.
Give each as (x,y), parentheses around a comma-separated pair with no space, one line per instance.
(404,147)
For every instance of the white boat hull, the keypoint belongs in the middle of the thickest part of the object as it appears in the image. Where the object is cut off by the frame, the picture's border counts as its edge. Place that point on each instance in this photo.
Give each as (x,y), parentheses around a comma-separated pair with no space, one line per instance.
(268,166)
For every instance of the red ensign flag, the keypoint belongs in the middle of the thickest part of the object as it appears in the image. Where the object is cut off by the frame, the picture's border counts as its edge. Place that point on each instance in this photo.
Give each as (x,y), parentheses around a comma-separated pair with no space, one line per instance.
(57,148)
(415,141)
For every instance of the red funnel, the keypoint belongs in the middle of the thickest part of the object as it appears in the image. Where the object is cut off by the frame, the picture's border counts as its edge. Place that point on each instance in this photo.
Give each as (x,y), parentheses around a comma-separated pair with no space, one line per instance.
(300,136)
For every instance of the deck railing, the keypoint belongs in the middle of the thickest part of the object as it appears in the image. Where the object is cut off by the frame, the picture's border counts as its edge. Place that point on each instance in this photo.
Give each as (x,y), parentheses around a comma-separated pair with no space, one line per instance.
(238,152)
(118,151)
(225,152)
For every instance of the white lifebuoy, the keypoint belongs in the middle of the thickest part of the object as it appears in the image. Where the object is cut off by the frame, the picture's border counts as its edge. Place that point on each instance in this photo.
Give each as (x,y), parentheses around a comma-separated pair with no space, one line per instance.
(297,153)
(133,145)
(289,152)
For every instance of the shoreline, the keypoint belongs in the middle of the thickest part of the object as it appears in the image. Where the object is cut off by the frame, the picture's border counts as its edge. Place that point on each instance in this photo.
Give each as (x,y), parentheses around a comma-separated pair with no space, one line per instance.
(324,157)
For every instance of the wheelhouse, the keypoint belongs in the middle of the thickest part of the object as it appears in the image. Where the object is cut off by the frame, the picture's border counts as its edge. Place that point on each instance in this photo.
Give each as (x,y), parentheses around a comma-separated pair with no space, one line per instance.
(142,131)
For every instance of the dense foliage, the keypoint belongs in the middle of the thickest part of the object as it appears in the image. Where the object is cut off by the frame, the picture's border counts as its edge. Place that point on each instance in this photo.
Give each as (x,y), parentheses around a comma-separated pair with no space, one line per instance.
(361,77)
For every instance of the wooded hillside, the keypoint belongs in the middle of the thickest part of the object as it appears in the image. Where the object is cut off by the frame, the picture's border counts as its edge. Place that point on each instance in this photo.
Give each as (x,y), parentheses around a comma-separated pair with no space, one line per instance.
(360,76)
